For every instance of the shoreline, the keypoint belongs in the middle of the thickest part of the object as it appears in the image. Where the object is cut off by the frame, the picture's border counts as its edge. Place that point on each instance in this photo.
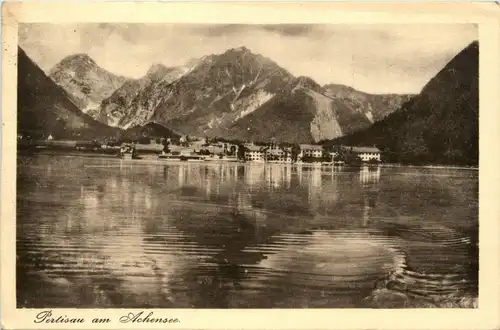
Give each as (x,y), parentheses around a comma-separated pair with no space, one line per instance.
(153,159)
(449,167)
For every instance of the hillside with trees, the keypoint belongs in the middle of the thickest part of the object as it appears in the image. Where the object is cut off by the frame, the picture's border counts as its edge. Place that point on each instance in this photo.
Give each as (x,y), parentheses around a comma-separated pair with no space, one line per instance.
(438,126)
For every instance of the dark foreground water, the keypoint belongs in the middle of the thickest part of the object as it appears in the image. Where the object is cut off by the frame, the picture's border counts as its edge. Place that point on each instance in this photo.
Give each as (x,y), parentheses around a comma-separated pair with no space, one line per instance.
(110,233)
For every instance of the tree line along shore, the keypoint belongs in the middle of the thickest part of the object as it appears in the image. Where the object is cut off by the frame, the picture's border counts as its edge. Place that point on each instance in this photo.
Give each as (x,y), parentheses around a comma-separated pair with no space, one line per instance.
(226,149)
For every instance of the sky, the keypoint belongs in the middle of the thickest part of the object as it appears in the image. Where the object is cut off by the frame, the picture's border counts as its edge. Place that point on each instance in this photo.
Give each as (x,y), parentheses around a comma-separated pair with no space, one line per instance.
(388,58)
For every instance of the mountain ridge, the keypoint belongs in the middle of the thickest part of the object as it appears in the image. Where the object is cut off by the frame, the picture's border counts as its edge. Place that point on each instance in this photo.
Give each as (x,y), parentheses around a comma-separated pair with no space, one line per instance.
(216,91)
(217,94)
(123,107)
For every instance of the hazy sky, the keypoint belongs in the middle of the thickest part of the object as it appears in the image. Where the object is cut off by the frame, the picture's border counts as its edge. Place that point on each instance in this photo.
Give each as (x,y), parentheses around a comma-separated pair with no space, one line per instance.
(373,58)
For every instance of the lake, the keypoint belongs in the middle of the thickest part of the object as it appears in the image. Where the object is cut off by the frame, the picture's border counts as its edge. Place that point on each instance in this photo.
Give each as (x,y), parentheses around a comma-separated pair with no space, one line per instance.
(97,233)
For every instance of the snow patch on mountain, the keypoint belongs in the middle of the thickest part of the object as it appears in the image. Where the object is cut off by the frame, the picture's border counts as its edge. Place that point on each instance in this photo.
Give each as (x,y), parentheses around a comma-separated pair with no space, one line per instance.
(90,107)
(324,125)
(113,120)
(253,102)
(369,115)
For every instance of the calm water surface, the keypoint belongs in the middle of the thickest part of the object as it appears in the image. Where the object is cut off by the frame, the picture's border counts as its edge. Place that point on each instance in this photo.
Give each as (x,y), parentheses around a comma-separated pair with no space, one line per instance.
(101,233)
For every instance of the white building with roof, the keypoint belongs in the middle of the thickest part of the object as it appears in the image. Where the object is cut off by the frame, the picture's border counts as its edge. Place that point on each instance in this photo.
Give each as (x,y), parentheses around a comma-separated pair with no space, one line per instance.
(255,153)
(279,154)
(367,153)
(311,150)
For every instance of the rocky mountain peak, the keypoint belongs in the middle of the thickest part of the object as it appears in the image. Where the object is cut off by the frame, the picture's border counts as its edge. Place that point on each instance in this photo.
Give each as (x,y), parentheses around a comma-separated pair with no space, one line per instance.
(159,71)
(339,90)
(85,81)
(241,50)
(81,57)
(156,68)
(306,82)
(241,55)
(74,61)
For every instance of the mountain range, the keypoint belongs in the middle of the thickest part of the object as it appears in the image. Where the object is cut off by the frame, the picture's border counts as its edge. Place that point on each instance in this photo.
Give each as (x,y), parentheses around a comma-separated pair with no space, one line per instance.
(235,93)
(440,125)
(244,96)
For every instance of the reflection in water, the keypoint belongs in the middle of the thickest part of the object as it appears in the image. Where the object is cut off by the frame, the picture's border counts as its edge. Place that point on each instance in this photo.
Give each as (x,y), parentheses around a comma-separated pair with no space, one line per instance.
(369,178)
(105,233)
(368,175)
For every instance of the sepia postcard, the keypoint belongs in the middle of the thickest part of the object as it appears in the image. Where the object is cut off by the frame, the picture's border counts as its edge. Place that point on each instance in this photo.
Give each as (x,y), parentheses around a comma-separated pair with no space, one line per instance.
(239,165)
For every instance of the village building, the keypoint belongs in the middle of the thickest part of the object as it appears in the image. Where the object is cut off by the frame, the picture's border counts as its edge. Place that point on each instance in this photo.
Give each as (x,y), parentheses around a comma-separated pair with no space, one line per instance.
(216,148)
(330,154)
(286,155)
(310,150)
(367,153)
(275,153)
(255,153)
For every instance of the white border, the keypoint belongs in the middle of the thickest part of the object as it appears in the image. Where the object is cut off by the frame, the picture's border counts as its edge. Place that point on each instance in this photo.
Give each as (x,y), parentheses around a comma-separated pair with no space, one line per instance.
(485,15)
